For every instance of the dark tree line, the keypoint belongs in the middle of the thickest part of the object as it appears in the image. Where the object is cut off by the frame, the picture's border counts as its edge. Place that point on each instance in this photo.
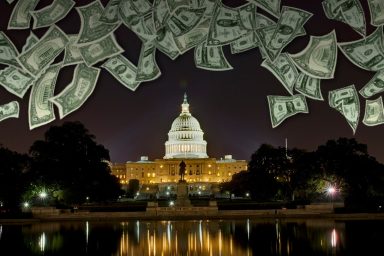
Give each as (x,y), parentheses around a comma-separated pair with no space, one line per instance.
(296,175)
(68,165)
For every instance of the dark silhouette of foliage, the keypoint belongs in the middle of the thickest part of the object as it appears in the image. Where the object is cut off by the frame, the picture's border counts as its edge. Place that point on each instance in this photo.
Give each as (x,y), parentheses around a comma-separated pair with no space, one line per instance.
(133,187)
(13,167)
(69,158)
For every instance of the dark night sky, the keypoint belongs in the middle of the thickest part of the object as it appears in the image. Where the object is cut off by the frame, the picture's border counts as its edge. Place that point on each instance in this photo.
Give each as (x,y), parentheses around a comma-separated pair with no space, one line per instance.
(231,106)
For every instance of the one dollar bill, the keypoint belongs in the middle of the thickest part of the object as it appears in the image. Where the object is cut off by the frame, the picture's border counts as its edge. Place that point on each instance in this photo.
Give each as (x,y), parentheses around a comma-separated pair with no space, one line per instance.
(78,91)
(346,101)
(374,112)
(9,110)
(282,107)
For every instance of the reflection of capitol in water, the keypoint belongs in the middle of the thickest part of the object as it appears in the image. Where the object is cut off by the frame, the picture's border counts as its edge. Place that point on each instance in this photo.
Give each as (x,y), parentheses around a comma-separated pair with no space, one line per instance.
(179,238)
(200,237)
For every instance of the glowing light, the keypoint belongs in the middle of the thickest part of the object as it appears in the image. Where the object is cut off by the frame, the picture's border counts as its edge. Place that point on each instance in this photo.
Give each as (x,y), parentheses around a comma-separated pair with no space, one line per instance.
(331,190)
(86,231)
(171,203)
(26,205)
(334,238)
(247,194)
(167,193)
(43,194)
(42,242)
(147,188)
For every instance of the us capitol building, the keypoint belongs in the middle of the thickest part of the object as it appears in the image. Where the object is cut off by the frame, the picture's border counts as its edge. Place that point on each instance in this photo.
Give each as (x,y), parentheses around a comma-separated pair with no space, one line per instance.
(185,143)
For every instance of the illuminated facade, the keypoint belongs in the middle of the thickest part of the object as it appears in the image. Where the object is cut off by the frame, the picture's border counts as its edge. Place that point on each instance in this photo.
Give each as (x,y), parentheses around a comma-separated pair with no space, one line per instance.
(185,142)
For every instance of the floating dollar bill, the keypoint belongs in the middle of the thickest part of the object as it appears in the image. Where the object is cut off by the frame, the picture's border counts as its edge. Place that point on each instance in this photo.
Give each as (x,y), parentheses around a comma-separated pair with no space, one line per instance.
(31,41)
(166,44)
(244,43)
(184,19)
(111,12)
(290,22)
(319,58)
(374,86)
(15,81)
(264,35)
(72,53)
(271,6)
(92,29)
(41,110)
(175,4)
(42,54)
(376,9)
(21,16)
(226,26)
(354,16)
(123,70)
(211,58)
(160,13)
(139,25)
(210,6)
(8,51)
(282,107)
(346,101)
(147,69)
(51,14)
(263,21)
(374,112)
(9,110)
(284,70)
(127,12)
(247,14)
(141,6)
(101,50)
(248,41)
(309,87)
(348,11)
(193,37)
(78,91)
(366,53)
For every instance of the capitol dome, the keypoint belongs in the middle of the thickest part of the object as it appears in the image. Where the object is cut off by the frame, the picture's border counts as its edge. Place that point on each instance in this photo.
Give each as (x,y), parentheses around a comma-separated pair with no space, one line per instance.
(185,139)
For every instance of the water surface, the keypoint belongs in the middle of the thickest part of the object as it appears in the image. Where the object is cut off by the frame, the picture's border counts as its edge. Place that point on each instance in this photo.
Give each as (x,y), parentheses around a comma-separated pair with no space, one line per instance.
(201,237)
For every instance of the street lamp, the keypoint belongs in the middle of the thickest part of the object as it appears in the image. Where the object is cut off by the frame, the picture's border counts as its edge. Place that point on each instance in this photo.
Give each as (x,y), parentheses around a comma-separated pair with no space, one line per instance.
(331,192)
(43,194)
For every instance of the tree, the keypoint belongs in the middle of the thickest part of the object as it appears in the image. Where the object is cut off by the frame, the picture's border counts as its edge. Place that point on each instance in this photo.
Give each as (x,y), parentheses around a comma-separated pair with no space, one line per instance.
(70,159)
(133,187)
(346,164)
(12,177)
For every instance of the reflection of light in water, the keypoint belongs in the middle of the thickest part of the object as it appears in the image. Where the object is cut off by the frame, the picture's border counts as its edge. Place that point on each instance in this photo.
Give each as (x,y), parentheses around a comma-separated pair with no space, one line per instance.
(86,231)
(169,234)
(1,231)
(138,231)
(220,242)
(248,228)
(334,238)
(180,238)
(42,242)
(278,236)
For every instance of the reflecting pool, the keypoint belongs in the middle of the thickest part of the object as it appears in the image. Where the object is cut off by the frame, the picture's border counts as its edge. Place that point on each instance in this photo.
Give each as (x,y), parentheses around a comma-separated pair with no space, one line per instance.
(200,237)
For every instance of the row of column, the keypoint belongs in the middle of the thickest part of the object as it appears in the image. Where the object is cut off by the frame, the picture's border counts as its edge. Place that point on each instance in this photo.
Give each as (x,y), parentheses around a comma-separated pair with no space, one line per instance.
(185,148)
